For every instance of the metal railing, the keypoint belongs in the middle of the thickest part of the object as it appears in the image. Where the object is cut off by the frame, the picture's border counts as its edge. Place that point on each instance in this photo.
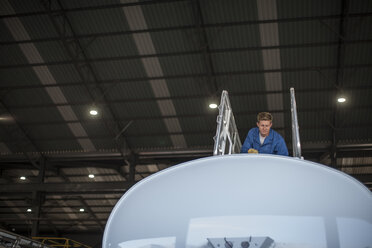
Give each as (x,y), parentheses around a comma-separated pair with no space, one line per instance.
(227,140)
(60,242)
(13,240)
(296,144)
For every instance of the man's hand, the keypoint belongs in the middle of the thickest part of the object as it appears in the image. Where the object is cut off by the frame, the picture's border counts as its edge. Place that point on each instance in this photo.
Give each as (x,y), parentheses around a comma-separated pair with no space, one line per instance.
(252,150)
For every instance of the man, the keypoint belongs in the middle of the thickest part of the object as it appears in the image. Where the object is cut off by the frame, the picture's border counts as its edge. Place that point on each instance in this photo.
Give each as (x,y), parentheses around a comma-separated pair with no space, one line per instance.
(262,139)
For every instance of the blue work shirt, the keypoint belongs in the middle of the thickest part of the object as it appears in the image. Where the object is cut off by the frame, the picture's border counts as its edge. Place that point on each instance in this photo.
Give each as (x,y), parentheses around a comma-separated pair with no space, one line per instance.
(273,144)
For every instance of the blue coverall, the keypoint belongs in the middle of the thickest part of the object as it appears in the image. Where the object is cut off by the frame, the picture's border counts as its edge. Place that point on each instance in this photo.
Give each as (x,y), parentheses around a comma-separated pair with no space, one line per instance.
(273,144)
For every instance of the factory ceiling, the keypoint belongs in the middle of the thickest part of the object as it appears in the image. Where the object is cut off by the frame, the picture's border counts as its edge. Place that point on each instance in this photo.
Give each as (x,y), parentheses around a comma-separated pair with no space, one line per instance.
(150,69)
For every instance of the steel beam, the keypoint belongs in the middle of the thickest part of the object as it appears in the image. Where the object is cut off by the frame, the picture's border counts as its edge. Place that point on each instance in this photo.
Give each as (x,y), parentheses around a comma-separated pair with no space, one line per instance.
(338,80)
(204,51)
(75,49)
(183,27)
(90,8)
(181,97)
(194,75)
(65,187)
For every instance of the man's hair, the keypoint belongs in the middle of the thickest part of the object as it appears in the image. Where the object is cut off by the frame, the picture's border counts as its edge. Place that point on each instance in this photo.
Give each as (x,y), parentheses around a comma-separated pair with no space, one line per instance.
(264,116)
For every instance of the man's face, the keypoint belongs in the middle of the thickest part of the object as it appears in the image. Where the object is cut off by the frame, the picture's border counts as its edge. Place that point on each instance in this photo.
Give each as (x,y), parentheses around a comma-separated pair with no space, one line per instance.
(264,127)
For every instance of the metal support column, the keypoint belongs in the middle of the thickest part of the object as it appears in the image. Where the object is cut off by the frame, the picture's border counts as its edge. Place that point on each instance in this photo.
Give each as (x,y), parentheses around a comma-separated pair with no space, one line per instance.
(77,52)
(37,200)
(339,78)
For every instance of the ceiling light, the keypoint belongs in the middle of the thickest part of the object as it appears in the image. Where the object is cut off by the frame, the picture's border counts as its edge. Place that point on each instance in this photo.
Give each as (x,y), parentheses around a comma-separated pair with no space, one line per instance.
(213,105)
(22,178)
(81,210)
(91,176)
(29,210)
(341,99)
(93,112)
(6,118)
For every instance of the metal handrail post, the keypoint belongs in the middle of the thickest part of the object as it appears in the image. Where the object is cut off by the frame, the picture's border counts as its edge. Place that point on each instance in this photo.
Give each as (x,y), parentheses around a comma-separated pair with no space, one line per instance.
(296,144)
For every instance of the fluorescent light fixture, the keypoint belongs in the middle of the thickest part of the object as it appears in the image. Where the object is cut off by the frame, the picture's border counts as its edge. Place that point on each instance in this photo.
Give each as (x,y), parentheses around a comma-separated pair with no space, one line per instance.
(91,176)
(22,178)
(213,105)
(6,118)
(81,210)
(93,112)
(29,210)
(341,99)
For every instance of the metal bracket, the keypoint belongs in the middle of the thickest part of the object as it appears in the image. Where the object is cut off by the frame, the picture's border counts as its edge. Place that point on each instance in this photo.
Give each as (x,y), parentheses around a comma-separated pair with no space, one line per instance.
(246,242)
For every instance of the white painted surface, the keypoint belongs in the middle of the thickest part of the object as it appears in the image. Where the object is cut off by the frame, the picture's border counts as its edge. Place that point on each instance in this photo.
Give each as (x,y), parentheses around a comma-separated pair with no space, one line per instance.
(293,201)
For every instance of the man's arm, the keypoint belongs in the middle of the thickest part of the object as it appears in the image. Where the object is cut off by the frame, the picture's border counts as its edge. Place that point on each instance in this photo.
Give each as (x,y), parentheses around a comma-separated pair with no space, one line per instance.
(281,147)
(248,143)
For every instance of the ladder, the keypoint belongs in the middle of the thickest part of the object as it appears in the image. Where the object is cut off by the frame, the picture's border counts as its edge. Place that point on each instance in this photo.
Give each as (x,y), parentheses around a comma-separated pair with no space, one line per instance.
(227,140)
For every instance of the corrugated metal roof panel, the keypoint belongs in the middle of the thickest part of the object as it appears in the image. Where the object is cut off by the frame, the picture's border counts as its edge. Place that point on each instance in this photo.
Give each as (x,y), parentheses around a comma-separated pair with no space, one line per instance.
(237,61)
(86,170)
(354,161)
(64,73)
(87,3)
(79,93)
(316,134)
(251,103)
(129,90)
(112,46)
(233,37)
(175,41)
(49,132)
(242,83)
(360,6)
(58,146)
(306,80)
(102,216)
(27,97)
(357,54)
(357,170)
(100,128)
(168,14)
(21,6)
(293,8)
(308,57)
(101,201)
(146,127)
(357,76)
(150,142)
(190,86)
(45,114)
(39,26)
(308,32)
(6,35)
(201,140)
(195,124)
(358,97)
(98,21)
(113,178)
(358,28)
(188,64)
(352,119)
(194,106)
(54,180)
(19,76)
(223,11)
(51,51)
(136,109)
(11,55)
(124,69)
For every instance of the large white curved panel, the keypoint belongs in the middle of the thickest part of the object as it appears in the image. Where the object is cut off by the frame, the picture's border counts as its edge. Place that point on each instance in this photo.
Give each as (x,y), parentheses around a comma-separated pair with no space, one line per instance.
(297,203)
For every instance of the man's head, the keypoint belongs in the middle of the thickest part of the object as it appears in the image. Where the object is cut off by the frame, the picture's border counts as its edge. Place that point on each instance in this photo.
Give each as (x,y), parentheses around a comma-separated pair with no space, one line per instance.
(264,123)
